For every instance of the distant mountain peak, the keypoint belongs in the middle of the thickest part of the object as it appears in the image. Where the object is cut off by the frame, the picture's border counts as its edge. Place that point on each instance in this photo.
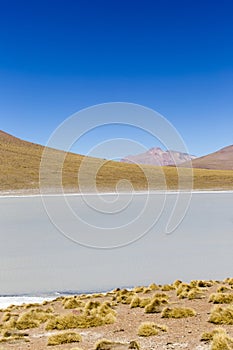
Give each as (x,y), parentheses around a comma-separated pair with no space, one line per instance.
(157,156)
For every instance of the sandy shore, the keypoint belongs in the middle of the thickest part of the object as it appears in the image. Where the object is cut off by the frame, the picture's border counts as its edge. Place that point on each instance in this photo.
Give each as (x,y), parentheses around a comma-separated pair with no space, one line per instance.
(122,328)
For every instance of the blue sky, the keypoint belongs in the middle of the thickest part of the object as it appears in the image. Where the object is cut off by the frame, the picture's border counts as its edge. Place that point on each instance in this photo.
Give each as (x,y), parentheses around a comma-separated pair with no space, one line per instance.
(176,57)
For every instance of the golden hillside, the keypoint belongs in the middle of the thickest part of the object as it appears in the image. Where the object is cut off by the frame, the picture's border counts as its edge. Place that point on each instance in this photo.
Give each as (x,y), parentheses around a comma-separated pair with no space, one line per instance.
(20,166)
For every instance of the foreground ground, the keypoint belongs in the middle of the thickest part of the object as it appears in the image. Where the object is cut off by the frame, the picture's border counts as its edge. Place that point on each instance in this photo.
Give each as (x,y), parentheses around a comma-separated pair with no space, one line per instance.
(180,313)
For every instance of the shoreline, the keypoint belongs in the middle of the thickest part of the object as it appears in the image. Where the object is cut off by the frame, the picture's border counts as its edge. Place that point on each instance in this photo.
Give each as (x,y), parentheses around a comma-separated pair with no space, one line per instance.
(54,193)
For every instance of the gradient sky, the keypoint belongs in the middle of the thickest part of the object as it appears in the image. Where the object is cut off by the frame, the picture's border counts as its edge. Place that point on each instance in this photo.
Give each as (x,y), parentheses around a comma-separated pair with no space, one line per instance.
(60,56)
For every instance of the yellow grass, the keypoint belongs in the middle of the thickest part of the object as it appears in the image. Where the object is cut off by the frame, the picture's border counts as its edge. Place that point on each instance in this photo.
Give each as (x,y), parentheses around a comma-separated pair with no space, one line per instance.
(222,315)
(178,312)
(20,163)
(221,298)
(64,338)
(147,329)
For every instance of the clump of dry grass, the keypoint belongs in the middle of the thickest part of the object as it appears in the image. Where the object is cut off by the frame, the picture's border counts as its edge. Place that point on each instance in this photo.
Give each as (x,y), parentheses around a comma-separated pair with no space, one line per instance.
(167,287)
(135,302)
(138,289)
(224,289)
(33,318)
(64,338)
(134,345)
(102,344)
(98,295)
(222,315)
(139,302)
(31,305)
(157,303)
(195,293)
(105,344)
(176,283)
(94,314)
(205,284)
(183,289)
(208,336)
(154,286)
(229,280)
(190,291)
(11,308)
(6,316)
(144,302)
(8,336)
(221,298)
(221,342)
(10,324)
(178,312)
(124,296)
(63,322)
(72,303)
(147,329)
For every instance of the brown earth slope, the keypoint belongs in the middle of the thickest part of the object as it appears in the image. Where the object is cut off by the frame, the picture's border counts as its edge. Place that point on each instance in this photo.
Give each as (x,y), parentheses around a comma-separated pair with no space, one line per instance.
(220,160)
(20,166)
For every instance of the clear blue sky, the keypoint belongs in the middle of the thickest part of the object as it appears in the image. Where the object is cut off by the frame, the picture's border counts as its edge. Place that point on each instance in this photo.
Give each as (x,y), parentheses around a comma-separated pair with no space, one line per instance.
(59,56)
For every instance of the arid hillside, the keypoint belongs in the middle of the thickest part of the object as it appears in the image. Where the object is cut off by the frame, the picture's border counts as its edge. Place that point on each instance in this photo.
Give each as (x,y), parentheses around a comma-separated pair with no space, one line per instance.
(20,167)
(219,160)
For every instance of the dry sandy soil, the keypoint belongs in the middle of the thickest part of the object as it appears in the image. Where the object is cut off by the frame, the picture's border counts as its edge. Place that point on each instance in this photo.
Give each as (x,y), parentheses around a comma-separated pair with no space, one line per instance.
(182,333)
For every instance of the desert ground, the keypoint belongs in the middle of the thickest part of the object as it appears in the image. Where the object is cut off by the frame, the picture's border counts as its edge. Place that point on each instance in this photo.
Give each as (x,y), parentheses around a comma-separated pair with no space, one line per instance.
(195,315)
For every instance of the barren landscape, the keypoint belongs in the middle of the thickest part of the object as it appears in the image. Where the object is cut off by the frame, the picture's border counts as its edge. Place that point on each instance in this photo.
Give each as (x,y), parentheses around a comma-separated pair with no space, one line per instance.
(196,315)
(20,166)
(116,175)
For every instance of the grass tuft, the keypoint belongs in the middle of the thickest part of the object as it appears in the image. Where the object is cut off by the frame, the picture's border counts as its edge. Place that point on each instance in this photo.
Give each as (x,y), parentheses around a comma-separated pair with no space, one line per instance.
(167,287)
(72,303)
(222,315)
(178,312)
(221,298)
(64,338)
(105,344)
(147,329)
(33,318)
(157,303)
(221,342)
(94,314)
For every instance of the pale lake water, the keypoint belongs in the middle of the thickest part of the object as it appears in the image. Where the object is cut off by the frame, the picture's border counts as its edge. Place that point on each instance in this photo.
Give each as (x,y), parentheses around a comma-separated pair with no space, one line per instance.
(99,255)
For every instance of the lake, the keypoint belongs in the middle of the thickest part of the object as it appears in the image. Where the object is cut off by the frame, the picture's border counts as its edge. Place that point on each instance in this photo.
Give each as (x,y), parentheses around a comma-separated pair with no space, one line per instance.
(96,243)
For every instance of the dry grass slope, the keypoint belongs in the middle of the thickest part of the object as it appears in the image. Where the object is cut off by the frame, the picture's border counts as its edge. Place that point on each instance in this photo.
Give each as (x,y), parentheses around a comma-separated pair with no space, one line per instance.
(20,163)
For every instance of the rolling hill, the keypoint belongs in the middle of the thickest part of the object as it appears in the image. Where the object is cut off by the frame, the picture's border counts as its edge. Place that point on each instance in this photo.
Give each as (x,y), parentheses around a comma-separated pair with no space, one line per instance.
(20,166)
(219,160)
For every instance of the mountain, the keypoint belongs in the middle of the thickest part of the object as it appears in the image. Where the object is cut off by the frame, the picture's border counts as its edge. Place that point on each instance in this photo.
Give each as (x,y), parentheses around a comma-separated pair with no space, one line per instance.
(156,156)
(20,171)
(219,160)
